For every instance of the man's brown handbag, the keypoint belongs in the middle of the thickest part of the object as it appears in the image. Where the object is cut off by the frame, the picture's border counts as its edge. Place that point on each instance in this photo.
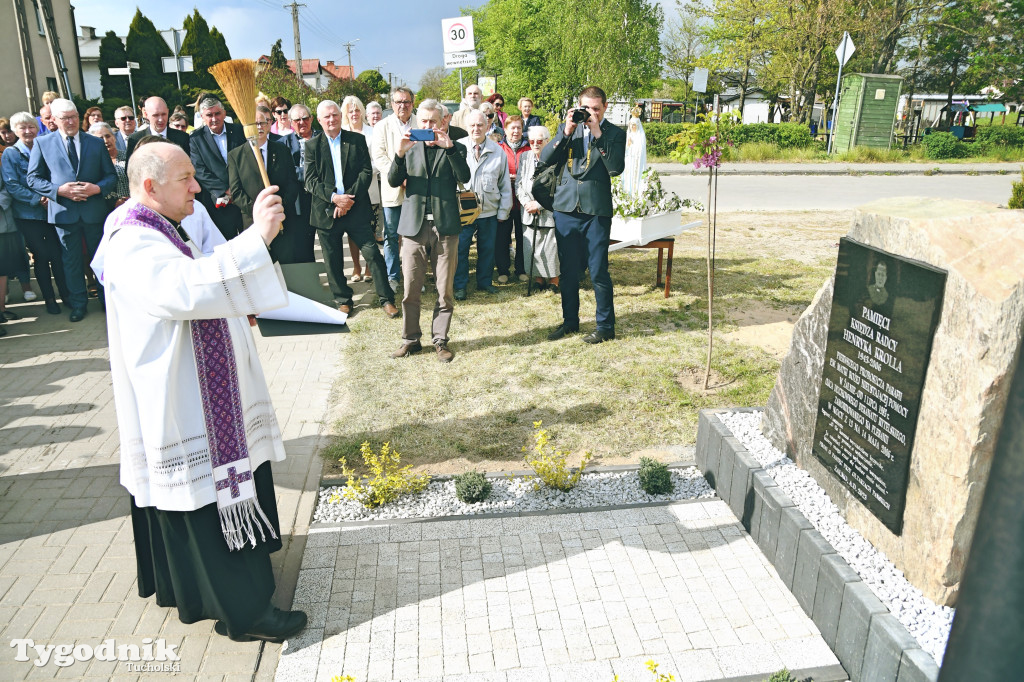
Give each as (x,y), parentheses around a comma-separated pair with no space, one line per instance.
(469,205)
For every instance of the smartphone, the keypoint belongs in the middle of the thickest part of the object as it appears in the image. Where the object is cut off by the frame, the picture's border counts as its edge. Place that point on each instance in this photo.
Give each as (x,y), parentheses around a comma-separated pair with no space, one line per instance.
(422,135)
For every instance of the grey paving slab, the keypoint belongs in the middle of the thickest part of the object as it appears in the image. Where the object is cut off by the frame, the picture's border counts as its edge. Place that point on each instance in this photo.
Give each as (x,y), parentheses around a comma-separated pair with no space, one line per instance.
(67,564)
(685,586)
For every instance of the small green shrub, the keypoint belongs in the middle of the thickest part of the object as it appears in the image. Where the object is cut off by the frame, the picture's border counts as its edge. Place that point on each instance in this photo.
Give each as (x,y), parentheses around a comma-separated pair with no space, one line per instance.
(782,135)
(472,487)
(1017,196)
(655,478)
(1001,136)
(782,676)
(942,145)
(389,481)
(657,135)
(550,464)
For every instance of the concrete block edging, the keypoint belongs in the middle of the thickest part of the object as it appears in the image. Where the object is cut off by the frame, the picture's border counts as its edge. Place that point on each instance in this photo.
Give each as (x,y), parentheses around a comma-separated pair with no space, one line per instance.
(868,641)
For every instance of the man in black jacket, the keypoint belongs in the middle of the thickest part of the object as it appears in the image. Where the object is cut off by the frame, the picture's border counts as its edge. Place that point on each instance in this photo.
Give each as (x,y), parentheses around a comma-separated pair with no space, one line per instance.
(341,205)
(300,233)
(156,113)
(209,146)
(593,152)
(246,182)
(429,226)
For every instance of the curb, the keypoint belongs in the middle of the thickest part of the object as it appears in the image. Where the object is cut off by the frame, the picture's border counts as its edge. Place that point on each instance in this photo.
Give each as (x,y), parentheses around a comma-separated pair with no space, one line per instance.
(924,171)
(866,638)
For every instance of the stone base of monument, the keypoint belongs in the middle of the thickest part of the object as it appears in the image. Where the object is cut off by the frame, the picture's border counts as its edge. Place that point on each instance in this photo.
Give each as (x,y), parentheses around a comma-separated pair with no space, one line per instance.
(866,638)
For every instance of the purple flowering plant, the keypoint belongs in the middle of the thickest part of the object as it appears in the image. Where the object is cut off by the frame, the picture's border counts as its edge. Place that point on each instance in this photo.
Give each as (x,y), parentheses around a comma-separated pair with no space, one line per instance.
(706,143)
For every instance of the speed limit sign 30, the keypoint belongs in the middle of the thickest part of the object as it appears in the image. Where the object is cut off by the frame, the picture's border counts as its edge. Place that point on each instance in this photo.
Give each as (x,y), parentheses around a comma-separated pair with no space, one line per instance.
(458,34)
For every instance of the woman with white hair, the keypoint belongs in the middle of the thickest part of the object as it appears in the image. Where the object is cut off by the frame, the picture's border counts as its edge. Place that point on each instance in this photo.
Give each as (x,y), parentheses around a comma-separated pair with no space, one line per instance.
(539,245)
(353,119)
(119,194)
(29,210)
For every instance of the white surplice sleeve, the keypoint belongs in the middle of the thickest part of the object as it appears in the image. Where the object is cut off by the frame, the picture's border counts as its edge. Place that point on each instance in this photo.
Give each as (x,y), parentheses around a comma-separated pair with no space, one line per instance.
(238,278)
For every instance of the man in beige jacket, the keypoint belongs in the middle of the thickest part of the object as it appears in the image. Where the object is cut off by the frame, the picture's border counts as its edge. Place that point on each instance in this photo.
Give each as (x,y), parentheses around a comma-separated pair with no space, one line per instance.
(387,136)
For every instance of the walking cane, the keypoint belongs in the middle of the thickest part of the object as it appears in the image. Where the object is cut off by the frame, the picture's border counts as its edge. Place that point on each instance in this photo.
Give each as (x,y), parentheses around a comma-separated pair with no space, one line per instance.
(533,257)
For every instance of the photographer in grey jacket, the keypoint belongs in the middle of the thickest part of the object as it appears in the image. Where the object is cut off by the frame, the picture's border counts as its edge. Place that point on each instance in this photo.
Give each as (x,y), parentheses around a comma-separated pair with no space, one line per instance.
(489,179)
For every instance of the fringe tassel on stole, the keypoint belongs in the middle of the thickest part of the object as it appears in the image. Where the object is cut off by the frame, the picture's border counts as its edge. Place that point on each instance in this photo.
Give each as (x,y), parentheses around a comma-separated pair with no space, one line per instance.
(237,521)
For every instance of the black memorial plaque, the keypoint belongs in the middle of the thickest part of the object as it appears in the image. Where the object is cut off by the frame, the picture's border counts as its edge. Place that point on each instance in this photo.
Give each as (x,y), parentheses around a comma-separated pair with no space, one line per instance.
(884,313)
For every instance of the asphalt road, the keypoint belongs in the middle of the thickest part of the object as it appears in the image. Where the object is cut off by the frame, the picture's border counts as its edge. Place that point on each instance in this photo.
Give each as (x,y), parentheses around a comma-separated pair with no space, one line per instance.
(835,192)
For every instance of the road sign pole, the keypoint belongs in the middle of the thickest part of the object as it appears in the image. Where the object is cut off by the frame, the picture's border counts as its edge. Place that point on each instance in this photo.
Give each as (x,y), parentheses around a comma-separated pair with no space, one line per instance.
(835,100)
(177,50)
(131,91)
(461,89)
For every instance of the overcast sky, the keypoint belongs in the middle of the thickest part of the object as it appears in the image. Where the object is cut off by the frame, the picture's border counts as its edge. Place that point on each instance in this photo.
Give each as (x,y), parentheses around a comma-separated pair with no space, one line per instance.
(400,36)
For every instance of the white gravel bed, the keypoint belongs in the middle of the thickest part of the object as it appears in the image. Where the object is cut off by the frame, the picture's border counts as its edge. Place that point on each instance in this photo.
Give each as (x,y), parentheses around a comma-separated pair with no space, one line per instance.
(513,495)
(928,622)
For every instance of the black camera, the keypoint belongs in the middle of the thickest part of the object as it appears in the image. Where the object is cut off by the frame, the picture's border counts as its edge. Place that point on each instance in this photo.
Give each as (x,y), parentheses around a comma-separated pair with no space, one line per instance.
(580,115)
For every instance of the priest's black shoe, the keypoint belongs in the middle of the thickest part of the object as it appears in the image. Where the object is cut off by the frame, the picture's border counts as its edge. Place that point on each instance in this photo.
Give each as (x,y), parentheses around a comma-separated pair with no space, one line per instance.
(273,626)
(599,336)
(561,330)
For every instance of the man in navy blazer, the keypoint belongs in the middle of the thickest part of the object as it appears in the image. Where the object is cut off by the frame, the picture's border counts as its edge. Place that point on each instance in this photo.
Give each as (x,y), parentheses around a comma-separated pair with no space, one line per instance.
(593,152)
(73,170)
(209,146)
(300,232)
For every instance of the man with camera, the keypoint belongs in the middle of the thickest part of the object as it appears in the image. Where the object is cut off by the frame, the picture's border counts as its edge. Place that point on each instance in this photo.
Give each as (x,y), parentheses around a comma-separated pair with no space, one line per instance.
(430,166)
(592,151)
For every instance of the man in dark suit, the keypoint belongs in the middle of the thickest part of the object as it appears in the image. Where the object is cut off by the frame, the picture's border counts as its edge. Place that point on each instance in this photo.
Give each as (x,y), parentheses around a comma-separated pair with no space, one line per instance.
(341,205)
(73,170)
(592,152)
(300,233)
(246,183)
(209,145)
(430,225)
(124,119)
(156,112)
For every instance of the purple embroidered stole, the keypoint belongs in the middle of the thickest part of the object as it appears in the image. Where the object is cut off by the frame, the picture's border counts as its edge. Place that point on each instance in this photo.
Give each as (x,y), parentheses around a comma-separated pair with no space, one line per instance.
(222,410)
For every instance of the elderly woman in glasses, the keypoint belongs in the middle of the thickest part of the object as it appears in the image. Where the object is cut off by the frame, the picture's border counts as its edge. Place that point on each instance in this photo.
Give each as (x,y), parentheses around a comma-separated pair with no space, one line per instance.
(539,245)
(354,119)
(500,117)
(279,107)
(494,129)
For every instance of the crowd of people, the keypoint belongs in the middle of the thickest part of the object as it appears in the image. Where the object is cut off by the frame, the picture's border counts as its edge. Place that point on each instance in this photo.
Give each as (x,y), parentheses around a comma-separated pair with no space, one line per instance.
(63,174)
(196,423)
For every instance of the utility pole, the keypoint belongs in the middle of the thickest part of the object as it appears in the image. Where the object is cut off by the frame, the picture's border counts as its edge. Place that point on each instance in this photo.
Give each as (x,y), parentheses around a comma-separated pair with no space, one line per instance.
(348,47)
(295,30)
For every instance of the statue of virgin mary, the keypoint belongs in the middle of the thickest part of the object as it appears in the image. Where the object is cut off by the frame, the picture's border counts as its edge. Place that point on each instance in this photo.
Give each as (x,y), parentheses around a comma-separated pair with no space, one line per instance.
(636,154)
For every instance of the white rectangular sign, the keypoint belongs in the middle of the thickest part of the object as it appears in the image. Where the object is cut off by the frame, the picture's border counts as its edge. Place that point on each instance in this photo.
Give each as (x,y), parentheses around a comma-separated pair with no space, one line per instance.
(119,71)
(459,60)
(132,65)
(184,64)
(458,34)
(700,80)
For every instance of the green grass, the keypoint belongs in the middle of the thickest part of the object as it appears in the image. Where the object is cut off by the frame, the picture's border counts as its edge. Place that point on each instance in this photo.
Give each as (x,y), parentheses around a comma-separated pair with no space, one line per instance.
(611,399)
(767,152)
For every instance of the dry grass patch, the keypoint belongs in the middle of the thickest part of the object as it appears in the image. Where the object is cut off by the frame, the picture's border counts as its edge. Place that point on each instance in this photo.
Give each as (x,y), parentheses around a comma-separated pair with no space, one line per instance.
(614,399)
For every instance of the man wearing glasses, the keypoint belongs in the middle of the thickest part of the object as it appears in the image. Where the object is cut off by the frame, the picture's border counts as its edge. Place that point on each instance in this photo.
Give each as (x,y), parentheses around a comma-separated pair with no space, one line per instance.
(124,119)
(300,233)
(387,137)
(246,183)
(73,170)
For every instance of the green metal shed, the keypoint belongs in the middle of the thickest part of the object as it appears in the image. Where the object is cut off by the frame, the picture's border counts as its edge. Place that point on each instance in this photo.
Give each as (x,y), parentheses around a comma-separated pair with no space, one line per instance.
(867,111)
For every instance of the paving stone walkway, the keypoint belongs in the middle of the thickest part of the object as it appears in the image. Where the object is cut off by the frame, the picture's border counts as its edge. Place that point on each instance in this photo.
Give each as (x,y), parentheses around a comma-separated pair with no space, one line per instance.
(566,596)
(67,563)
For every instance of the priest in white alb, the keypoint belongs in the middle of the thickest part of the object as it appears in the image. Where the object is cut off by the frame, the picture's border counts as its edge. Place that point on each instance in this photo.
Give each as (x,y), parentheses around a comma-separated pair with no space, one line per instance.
(197,428)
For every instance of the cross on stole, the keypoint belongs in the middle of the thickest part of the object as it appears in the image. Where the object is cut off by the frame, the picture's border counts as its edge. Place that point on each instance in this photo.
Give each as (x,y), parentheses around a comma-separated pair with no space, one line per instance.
(232,481)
